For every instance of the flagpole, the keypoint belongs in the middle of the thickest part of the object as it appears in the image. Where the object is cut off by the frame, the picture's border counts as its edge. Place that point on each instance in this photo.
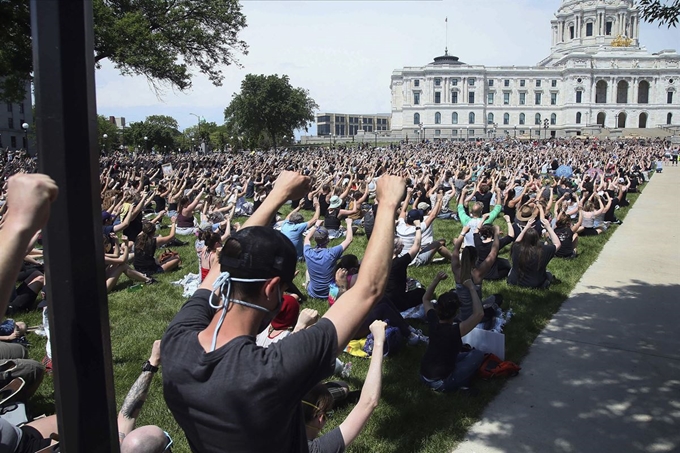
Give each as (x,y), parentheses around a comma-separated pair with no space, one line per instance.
(446,49)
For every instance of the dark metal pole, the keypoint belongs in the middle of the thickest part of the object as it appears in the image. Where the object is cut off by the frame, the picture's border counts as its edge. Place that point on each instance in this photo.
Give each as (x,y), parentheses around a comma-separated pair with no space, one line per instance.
(63,61)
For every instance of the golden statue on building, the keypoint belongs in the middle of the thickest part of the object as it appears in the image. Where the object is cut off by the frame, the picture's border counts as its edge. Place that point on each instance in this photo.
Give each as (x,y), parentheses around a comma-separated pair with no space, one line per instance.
(622,41)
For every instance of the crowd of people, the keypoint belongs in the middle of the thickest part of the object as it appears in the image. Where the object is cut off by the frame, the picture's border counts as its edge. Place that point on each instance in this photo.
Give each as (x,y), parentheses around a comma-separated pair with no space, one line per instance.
(243,357)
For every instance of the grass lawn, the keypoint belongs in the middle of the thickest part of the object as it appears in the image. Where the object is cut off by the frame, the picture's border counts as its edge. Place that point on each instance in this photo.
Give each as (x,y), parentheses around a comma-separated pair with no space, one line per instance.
(410,417)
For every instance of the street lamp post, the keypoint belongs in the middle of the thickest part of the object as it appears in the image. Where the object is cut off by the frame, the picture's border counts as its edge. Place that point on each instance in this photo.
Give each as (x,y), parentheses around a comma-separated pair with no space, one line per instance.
(146,139)
(467,133)
(376,138)
(105,136)
(530,136)
(25,128)
(515,131)
(546,125)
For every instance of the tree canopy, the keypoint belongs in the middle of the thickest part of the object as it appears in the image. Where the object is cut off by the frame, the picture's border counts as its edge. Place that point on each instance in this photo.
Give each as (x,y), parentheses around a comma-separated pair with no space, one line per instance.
(663,12)
(159,39)
(267,109)
(161,132)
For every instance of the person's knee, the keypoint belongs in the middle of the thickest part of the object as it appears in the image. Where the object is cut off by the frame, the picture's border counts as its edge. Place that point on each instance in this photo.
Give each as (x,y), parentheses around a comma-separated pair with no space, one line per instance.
(145,439)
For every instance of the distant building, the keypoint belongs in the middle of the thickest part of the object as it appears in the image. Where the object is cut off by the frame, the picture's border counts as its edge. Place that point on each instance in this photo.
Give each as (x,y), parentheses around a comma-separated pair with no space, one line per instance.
(344,125)
(596,77)
(12,116)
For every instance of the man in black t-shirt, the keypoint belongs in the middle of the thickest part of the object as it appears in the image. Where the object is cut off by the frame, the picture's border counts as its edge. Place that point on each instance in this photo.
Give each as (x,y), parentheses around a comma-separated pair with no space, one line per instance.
(225,392)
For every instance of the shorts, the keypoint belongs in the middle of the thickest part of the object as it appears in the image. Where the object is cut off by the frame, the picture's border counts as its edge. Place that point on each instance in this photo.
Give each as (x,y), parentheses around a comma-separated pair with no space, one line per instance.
(589,232)
(31,440)
(151,271)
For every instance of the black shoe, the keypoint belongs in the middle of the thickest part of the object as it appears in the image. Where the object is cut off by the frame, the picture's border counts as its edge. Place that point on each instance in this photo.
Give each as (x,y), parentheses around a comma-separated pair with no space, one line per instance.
(151,281)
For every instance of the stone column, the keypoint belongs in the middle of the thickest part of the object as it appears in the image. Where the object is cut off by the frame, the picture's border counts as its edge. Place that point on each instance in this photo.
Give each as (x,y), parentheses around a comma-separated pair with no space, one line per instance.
(635,91)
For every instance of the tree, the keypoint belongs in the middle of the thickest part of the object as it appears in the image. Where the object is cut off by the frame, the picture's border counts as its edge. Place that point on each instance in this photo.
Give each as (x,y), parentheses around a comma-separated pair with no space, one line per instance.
(663,12)
(160,131)
(112,140)
(267,108)
(158,39)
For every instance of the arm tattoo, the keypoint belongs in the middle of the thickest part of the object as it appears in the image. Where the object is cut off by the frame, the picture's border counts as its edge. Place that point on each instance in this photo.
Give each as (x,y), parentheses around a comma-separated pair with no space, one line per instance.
(137,395)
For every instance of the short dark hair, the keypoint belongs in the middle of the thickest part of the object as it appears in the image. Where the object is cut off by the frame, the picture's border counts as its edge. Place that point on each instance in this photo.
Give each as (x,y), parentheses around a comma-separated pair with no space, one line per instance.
(447,305)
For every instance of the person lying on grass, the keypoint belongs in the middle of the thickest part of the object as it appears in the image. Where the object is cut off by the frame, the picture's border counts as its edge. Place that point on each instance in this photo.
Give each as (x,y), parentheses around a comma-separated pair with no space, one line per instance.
(318,404)
(445,367)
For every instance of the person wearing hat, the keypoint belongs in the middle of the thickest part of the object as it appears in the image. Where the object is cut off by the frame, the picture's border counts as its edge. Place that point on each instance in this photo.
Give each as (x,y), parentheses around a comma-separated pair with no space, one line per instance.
(225,391)
(294,226)
(334,217)
(321,259)
(318,404)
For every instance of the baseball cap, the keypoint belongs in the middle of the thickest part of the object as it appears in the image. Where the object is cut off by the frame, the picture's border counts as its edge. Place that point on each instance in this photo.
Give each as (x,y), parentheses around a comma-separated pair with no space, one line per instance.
(413,215)
(107,216)
(423,206)
(321,235)
(259,252)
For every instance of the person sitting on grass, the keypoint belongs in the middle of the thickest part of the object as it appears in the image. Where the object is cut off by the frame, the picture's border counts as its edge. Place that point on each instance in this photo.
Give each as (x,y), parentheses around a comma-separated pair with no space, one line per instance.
(484,238)
(465,266)
(406,231)
(590,213)
(476,218)
(445,367)
(530,258)
(116,260)
(317,405)
(567,232)
(294,227)
(145,250)
(321,259)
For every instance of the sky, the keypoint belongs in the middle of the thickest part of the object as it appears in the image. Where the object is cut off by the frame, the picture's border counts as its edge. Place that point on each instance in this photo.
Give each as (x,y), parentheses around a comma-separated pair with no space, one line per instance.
(344,52)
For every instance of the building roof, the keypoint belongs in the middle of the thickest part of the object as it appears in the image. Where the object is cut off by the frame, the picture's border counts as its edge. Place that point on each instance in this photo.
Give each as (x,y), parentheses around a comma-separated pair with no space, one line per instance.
(446,59)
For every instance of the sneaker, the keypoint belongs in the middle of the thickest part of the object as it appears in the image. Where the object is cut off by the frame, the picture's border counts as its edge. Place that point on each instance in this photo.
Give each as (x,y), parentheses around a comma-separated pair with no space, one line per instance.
(346,370)
(47,363)
(151,281)
(416,337)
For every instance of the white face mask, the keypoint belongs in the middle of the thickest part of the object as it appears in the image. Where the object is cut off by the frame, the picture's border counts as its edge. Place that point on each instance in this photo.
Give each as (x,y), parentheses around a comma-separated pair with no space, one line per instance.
(225,279)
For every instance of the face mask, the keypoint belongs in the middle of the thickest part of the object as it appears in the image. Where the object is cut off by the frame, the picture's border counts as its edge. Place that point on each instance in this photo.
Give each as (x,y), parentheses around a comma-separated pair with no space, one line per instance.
(224,280)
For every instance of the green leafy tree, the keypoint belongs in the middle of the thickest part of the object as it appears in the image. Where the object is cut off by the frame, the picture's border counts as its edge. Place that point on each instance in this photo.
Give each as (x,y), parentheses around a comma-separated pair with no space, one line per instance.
(113,134)
(160,131)
(160,39)
(663,12)
(268,108)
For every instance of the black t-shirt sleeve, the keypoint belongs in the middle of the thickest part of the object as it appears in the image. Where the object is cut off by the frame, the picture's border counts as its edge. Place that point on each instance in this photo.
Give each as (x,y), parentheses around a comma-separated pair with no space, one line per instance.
(328,443)
(546,256)
(432,318)
(195,314)
(505,240)
(305,358)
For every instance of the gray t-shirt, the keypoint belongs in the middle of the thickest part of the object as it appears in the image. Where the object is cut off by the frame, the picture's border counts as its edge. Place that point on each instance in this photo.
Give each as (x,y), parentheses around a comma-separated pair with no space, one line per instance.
(328,443)
(10,436)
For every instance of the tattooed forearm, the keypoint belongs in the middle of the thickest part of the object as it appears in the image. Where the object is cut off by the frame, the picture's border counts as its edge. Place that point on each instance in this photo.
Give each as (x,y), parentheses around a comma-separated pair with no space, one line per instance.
(137,396)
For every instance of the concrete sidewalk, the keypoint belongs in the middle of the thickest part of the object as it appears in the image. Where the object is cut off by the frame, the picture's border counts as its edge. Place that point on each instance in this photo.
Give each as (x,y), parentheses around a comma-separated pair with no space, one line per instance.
(604,376)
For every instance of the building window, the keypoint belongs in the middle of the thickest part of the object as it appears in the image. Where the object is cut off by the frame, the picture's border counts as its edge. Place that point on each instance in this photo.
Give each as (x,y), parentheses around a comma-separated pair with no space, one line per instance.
(506,98)
(489,118)
(454,97)
(522,98)
(471,132)
(537,119)
(537,98)
(471,81)
(553,98)
(601,92)
(471,118)
(437,132)
(669,118)
(454,118)
(608,28)
(553,119)
(538,83)
(416,83)
(643,92)
(416,119)
(522,82)
(571,32)
(471,98)
(579,96)
(10,123)
(521,118)
(13,140)
(622,92)
(416,98)
(454,132)
(506,118)
(9,107)
(506,82)
(438,97)
(589,29)
(454,82)
(578,117)
(490,82)
(489,98)
(437,82)
(437,118)
(669,97)
(553,83)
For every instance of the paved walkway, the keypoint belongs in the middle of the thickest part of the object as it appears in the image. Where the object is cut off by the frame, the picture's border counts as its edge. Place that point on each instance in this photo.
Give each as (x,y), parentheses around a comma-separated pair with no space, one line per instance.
(604,376)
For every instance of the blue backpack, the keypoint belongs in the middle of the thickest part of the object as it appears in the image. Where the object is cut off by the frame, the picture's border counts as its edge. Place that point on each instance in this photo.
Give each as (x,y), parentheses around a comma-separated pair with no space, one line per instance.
(394,340)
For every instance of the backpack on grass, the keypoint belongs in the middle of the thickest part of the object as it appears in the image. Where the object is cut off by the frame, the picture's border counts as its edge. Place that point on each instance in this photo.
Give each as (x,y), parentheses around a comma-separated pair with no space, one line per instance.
(394,340)
(493,367)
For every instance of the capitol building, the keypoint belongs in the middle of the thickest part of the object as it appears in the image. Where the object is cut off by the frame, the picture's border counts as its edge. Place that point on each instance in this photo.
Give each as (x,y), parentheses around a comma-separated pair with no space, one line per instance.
(598,78)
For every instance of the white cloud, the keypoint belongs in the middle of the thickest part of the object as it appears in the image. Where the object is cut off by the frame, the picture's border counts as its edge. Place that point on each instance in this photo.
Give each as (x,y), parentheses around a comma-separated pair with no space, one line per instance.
(344,52)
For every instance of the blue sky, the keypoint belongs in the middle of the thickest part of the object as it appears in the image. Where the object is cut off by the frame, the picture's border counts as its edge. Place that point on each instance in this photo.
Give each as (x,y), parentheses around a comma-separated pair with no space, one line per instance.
(344,52)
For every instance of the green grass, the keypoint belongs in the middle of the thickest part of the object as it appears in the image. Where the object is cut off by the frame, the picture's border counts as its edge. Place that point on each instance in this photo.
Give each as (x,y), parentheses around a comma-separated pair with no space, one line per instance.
(410,417)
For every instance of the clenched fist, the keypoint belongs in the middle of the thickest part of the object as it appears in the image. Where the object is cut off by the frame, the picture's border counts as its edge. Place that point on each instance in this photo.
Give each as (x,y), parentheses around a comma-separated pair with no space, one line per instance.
(28,201)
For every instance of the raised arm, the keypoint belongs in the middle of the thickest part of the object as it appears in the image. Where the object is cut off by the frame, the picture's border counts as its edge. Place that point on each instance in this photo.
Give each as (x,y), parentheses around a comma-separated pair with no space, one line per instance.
(429,293)
(372,277)
(289,186)
(349,235)
(483,268)
(477,310)
(415,248)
